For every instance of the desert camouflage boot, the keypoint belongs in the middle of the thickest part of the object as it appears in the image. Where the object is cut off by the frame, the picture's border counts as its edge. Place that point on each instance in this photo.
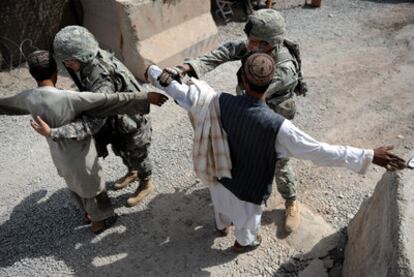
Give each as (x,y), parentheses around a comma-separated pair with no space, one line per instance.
(292,215)
(144,188)
(130,177)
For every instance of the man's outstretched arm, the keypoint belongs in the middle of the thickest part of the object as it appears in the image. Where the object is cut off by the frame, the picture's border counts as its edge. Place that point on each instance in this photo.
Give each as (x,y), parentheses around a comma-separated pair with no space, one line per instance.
(95,107)
(14,105)
(229,51)
(292,142)
(184,94)
(102,104)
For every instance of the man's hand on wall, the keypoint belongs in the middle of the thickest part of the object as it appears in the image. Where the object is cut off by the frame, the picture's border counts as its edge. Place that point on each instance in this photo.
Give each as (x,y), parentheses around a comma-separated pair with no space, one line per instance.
(384,158)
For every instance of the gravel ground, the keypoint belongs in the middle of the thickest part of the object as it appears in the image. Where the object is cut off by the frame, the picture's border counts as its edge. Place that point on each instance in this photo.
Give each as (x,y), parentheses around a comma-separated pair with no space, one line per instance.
(359,63)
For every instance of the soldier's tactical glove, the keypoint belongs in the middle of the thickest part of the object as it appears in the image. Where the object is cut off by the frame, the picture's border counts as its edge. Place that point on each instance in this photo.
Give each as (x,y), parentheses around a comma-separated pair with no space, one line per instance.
(168,75)
(301,88)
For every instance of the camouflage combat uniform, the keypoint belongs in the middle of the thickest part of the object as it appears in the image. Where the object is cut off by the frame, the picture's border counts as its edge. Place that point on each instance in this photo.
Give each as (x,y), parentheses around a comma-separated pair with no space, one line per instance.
(279,95)
(130,136)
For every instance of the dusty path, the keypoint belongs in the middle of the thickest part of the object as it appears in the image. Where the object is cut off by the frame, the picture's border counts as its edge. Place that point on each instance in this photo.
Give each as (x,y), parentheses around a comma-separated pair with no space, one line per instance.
(359,62)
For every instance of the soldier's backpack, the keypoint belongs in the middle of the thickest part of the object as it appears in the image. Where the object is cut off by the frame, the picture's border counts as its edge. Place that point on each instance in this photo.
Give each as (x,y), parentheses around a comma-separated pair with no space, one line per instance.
(301,88)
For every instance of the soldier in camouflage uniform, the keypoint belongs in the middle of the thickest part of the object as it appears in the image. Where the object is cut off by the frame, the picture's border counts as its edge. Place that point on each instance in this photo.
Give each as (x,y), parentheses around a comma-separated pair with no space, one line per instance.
(101,72)
(264,30)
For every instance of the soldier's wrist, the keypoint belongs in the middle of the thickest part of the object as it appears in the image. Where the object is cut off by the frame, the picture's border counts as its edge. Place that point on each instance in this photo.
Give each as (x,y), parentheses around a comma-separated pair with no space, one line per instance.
(54,134)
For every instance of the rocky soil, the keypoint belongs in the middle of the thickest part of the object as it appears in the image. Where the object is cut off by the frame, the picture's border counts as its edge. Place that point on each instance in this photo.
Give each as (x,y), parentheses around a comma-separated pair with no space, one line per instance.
(359,63)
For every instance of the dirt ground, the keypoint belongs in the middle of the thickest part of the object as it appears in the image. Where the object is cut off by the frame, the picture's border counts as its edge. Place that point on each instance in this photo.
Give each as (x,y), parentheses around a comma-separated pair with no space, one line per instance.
(359,63)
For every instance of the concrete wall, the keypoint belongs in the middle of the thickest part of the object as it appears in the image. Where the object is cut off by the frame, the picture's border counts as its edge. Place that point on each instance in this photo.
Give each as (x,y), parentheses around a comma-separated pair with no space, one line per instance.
(144,32)
(381,235)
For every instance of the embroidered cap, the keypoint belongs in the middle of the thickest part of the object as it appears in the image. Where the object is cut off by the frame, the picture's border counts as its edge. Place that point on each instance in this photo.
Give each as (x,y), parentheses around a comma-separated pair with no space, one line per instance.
(259,69)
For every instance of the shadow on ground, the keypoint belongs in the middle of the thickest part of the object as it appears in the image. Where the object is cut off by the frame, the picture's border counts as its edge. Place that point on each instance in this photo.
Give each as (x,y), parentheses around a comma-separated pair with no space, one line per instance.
(330,250)
(276,216)
(167,238)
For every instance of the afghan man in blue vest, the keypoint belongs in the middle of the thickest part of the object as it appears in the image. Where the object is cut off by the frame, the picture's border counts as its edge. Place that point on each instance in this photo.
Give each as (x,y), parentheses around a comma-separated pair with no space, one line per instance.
(238,139)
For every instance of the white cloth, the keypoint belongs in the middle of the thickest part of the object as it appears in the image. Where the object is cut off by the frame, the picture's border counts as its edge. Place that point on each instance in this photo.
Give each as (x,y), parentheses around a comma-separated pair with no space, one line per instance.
(290,142)
(211,152)
(228,209)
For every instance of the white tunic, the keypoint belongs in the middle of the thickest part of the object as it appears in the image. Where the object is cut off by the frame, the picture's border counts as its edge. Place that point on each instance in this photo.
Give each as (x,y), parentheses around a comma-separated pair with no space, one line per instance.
(290,142)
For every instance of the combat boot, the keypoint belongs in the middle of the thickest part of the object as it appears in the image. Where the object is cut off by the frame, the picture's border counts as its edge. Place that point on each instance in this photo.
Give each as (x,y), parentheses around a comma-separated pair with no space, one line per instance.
(144,188)
(130,177)
(292,215)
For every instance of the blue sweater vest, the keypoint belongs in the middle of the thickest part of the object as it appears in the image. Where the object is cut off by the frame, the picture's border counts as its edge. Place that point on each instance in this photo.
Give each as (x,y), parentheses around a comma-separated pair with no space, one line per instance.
(251,128)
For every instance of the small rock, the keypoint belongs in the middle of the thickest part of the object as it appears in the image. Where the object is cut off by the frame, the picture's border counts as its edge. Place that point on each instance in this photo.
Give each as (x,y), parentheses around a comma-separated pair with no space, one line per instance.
(289,267)
(333,210)
(340,196)
(315,268)
(400,136)
(328,263)
(330,15)
(336,271)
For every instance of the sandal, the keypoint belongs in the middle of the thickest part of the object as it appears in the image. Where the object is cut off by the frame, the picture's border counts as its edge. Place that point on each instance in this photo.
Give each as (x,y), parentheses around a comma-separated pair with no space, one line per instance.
(87,219)
(243,249)
(223,232)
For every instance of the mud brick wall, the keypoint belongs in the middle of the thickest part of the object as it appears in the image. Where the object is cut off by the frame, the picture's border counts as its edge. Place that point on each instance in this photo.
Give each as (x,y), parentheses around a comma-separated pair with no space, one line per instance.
(36,20)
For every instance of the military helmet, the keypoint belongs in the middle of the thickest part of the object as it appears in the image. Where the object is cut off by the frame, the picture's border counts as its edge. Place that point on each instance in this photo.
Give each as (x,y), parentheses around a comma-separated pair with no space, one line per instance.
(75,43)
(266,24)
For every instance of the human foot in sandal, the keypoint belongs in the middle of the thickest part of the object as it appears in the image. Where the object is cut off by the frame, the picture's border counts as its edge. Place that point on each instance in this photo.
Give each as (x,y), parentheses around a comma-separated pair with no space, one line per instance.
(87,218)
(223,232)
(247,248)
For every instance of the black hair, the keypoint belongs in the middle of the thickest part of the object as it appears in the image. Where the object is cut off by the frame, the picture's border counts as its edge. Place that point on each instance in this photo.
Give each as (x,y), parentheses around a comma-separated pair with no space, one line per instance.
(42,65)
(256,88)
